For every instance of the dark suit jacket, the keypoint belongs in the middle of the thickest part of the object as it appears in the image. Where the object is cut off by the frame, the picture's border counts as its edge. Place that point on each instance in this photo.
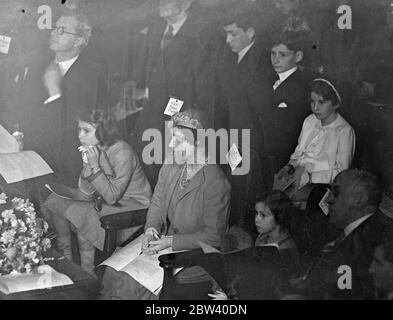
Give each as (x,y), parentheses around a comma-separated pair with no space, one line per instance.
(51,129)
(355,251)
(244,91)
(282,126)
(179,70)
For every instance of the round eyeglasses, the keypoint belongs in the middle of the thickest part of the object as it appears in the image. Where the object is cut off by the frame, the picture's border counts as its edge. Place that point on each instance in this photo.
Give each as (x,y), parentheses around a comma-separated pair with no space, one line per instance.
(61,30)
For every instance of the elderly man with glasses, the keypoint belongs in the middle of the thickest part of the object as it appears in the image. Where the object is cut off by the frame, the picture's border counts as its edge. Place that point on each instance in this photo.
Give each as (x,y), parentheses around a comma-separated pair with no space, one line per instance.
(56,90)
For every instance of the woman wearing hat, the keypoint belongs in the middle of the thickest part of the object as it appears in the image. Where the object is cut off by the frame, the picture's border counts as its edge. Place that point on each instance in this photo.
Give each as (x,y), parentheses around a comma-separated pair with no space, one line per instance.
(190,205)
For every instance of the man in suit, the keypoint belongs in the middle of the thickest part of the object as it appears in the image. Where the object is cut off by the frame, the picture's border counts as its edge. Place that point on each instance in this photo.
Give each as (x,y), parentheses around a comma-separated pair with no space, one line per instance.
(243,95)
(174,65)
(340,271)
(52,91)
(282,122)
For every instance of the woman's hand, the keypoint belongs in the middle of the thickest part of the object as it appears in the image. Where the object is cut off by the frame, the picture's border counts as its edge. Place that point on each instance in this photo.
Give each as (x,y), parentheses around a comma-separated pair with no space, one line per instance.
(218,295)
(286,172)
(150,235)
(158,245)
(93,156)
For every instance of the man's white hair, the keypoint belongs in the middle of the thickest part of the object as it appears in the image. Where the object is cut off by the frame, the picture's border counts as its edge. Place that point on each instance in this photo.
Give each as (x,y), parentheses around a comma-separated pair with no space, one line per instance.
(84,28)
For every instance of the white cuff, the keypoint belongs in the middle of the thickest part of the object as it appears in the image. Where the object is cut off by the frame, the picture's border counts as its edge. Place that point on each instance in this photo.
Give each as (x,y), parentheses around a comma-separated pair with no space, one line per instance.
(52,98)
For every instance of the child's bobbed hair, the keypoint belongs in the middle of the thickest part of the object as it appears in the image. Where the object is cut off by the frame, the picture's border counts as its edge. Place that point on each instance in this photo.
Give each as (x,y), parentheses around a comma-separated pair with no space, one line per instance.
(280,206)
(107,131)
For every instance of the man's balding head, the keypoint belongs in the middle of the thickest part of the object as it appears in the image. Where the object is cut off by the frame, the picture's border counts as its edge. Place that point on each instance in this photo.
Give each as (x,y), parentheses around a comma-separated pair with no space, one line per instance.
(354,194)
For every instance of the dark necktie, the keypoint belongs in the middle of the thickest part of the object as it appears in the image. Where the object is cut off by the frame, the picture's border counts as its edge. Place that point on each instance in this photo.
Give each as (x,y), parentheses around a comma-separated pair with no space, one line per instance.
(168,36)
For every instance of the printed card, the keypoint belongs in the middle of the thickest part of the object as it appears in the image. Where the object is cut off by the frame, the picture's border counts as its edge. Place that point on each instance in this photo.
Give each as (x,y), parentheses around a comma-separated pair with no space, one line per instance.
(323,204)
(173,106)
(233,157)
(5,43)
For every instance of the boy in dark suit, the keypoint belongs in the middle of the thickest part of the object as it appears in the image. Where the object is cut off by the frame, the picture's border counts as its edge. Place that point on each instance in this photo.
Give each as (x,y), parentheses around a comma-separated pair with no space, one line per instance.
(283,120)
(243,93)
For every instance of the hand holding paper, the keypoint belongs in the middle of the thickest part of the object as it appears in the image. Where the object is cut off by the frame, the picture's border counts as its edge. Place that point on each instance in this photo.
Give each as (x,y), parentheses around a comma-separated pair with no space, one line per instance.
(158,245)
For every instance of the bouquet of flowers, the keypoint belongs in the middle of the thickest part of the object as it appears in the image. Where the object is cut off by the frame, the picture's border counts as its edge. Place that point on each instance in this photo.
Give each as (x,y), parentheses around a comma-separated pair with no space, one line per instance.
(23,236)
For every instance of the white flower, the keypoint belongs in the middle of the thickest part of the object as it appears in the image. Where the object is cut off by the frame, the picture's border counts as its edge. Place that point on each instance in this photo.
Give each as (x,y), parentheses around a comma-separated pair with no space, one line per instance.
(14,223)
(8,215)
(22,226)
(45,243)
(28,267)
(18,203)
(22,233)
(3,198)
(8,236)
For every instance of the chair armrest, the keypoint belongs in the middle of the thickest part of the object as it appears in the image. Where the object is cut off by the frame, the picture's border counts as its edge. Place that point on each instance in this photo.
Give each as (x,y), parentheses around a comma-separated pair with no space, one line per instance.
(180,259)
(124,220)
(113,222)
(213,263)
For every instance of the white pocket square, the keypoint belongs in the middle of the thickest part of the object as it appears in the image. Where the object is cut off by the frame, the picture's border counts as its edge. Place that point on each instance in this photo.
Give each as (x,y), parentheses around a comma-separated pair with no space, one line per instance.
(282,105)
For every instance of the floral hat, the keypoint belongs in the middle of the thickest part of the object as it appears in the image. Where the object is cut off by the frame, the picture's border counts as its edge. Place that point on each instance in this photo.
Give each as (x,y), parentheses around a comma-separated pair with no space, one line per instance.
(191,118)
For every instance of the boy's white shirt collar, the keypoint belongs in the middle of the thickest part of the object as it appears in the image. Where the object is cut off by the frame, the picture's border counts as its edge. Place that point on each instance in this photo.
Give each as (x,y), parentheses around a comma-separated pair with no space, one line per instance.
(285,75)
(244,51)
(352,226)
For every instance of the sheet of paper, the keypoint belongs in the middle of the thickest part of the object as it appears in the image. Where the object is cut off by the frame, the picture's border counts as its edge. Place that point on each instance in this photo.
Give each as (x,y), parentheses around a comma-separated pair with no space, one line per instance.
(233,157)
(208,248)
(13,283)
(124,255)
(5,43)
(173,106)
(142,267)
(23,165)
(282,184)
(66,192)
(147,271)
(8,143)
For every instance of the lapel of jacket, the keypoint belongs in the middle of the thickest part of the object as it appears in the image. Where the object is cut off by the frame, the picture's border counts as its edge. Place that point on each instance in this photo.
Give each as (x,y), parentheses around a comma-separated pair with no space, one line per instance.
(195,182)
(182,37)
(157,34)
(175,170)
(282,91)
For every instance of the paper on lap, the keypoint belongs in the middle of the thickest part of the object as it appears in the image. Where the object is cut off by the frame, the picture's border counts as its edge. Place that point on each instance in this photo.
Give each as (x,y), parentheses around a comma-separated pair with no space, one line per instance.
(282,184)
(142,267)
(66,192)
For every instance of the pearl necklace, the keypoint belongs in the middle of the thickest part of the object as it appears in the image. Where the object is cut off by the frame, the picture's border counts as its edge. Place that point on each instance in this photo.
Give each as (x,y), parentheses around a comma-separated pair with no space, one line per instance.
(187,175)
